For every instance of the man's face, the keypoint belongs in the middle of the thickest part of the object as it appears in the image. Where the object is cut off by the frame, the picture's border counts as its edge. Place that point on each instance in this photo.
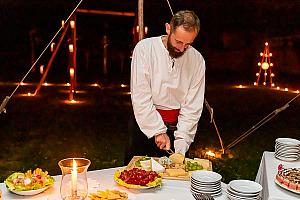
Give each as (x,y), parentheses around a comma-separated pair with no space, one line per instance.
(173,51)
(179,41)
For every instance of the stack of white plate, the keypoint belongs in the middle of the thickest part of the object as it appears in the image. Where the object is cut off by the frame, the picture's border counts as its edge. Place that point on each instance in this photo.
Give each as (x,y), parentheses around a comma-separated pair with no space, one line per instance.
(243,190)
(287,149)
(206,182)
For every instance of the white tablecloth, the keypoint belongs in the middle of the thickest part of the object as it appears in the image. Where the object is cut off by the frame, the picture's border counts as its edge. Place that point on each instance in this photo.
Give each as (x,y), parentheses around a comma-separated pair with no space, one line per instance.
(103,179)
(266,176)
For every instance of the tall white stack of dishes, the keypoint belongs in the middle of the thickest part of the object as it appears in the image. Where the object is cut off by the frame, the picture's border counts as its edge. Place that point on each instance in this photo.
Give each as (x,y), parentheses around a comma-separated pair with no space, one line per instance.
(243,190)
(206,182)
(287,149)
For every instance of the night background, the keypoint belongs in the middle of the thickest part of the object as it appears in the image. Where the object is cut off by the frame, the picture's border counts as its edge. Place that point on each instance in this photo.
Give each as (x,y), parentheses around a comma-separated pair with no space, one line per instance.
(42,130)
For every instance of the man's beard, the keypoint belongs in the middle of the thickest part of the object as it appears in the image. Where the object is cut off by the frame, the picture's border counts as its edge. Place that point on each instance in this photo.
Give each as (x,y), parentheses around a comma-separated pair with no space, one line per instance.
(174,53)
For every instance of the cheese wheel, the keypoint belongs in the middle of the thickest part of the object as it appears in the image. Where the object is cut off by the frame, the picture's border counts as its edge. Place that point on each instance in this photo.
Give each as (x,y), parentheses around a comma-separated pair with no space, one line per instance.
(177,158)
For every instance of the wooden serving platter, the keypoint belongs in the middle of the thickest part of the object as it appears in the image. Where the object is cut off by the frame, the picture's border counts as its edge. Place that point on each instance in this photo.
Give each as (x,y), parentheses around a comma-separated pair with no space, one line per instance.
(131,165)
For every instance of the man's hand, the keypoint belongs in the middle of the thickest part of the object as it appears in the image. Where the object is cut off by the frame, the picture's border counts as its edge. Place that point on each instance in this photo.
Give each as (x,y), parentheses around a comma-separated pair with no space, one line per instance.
(163,141)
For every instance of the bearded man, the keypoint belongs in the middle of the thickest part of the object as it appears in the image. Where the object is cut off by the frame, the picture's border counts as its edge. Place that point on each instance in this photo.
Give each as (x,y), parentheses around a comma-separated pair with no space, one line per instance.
(167,89)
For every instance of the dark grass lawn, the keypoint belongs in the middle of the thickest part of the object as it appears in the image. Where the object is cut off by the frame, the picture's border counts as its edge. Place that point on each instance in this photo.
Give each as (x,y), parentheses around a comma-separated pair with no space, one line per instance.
(39,131)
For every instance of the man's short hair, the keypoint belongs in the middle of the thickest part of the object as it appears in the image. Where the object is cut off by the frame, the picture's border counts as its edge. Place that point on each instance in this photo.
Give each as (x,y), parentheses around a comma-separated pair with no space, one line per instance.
(186,18)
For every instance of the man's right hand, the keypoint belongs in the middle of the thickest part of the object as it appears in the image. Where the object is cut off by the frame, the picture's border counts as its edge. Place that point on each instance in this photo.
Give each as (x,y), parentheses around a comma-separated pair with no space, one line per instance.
(163,141)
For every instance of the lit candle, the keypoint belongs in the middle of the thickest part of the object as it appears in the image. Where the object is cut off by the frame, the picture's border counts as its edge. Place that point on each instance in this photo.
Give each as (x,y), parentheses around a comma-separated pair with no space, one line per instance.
(41,69)
(52,46)
(72,22)
(71,48)
(74,179)
(72,72)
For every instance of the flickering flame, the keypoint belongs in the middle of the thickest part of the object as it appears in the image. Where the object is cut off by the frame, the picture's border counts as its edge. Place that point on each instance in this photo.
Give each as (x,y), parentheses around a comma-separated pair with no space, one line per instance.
(71,48)
(52,46)
(72,71)
(72,23)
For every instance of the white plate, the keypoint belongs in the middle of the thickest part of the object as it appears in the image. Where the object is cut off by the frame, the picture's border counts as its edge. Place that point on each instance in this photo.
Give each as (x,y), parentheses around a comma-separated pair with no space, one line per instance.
(211,194)
(251,195)
(206,176)
(236,197)
(211,190)
(287,148)
(291,155)
(288,141)
(206,186)
(194,181)
(245,186)
(30,192)
(286,159)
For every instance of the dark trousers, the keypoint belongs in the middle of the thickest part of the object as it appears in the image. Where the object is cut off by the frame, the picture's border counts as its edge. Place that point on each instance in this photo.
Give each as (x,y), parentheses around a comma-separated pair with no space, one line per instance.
(139,145)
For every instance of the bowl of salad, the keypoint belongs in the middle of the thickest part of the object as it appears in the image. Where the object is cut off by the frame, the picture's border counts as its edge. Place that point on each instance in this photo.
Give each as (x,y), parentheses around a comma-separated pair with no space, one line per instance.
(30,182)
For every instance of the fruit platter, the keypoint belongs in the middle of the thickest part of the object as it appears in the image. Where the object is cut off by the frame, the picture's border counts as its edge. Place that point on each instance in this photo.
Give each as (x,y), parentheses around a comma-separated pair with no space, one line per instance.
(29,183)
(137,178)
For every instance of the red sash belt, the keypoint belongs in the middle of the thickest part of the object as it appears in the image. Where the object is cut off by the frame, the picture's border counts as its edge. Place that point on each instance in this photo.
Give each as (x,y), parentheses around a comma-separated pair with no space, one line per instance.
(169,116)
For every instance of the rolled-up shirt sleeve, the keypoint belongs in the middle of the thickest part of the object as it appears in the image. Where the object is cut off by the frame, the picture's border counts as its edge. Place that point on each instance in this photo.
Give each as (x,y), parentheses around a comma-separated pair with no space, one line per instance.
(146,115)
(190,111)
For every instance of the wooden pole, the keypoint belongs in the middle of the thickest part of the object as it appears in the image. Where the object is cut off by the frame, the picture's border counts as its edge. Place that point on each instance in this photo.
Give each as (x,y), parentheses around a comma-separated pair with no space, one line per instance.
(141,19)
(72,54)
(51,60)
(106,12)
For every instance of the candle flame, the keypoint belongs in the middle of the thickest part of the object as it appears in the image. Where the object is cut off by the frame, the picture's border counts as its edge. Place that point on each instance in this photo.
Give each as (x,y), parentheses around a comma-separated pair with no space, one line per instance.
(74,165)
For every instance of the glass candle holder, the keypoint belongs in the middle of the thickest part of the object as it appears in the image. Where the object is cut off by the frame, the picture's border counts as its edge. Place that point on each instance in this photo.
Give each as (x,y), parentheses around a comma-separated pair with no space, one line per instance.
(74,184)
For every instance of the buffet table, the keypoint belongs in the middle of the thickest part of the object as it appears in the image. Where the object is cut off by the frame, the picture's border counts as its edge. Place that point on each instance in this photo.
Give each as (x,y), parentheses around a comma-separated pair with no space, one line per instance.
(103,179)
(266,177)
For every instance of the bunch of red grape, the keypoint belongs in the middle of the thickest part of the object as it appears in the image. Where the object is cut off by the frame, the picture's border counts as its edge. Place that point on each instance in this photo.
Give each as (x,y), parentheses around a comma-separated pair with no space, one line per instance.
(138,176)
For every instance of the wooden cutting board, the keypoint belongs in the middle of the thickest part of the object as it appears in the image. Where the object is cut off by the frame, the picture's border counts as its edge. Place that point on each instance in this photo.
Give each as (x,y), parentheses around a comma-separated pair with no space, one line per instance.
(131,165)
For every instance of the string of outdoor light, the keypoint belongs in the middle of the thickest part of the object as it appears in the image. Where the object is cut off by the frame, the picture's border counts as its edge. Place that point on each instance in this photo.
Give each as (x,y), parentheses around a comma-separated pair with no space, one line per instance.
(260,123)
(7,98)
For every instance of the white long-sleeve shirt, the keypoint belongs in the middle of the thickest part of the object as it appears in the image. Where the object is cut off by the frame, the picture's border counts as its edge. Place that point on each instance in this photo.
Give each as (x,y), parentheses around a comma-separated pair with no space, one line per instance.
(160,81)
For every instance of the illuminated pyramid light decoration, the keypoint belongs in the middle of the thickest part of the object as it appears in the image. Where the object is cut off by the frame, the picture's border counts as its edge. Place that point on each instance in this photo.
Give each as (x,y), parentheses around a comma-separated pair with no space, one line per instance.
(265,65)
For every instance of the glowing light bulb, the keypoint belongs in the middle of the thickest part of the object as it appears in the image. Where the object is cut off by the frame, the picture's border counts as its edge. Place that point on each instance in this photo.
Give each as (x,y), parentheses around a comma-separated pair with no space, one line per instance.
(265,66)
(266,43)
(71,48)
(72,23)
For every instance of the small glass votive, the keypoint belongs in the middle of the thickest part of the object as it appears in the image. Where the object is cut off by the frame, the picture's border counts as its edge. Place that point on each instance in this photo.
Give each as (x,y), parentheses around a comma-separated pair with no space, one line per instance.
(74,184)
